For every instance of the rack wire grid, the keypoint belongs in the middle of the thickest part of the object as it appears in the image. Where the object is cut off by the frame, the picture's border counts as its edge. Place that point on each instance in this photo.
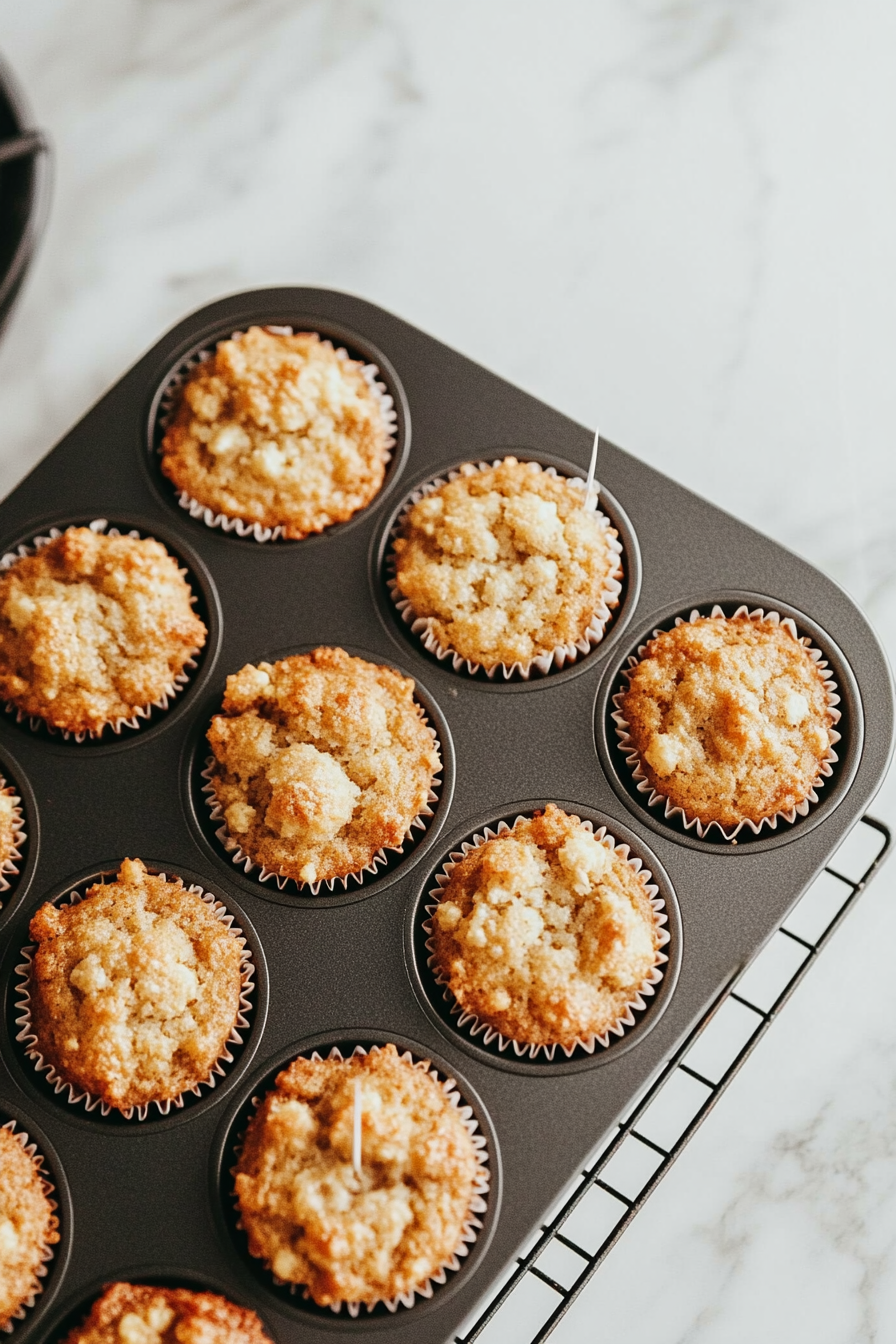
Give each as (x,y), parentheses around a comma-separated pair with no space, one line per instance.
(507,1314)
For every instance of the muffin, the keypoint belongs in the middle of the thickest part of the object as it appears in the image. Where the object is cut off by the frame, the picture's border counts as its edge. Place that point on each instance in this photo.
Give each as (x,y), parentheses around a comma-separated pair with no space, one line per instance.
(134,990)
(366,1237)
(133,1313)
(27,1226)
(320,761)
(730,718)
(94,629)
(11,834)
(279,430)
(546,933)
(505,565)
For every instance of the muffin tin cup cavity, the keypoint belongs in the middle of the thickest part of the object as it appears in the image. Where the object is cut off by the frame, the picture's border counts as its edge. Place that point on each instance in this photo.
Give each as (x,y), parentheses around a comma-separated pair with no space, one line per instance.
(558,658)
(141,716)
(689,821)
(11,866)
(475,1027)
(48,1253)
(639,1015)
(78,1097)
(383,861)
(478,1225)
(166,405)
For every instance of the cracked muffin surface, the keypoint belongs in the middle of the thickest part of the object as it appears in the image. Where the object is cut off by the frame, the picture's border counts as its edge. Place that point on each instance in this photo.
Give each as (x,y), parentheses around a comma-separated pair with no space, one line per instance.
(352,1237)
(27,1225)
(134,1313)
(134,990)
(93,628)
(730,718)
(279,430)
(545,932)
(505,563)
(320,761)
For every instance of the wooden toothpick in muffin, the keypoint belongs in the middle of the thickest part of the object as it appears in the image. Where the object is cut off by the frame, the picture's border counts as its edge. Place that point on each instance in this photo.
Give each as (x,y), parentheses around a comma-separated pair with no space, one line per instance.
(94,629)
(320,761)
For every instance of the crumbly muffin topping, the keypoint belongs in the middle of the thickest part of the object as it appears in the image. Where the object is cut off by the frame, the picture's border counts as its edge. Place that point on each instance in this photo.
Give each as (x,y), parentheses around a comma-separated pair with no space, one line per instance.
(27,1225)
(135,990)
(348,1237)
(545,932)
(9,823)
(93,628)
(278,430)
(130,1313)
(506,563)
(730,718)
(321,760)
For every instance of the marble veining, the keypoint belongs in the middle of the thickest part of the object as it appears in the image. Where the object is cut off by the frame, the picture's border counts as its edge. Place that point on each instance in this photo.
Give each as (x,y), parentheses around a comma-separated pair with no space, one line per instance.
(672,216)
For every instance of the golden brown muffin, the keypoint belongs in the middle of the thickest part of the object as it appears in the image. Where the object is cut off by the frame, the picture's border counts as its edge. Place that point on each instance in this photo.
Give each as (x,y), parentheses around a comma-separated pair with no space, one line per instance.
(133,1313)
(93,628)
(27,1226)
(135,990)
(730,718)
(321,760)
(278,430)
(347,1237)
(506,564)
(545,933)
(10,824)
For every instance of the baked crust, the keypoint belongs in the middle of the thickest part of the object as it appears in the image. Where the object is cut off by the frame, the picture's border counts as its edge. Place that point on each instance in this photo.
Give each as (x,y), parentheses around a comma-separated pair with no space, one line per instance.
(506,562)
(278,430)
(132,1313)
(321,760)
(134,990)
(545,932)
(27,1226)
(730,718)
(9,822)
(93,628)
(355,1238)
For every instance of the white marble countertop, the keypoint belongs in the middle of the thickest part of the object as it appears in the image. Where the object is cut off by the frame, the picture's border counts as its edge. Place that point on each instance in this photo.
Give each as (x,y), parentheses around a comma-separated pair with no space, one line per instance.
(674,218)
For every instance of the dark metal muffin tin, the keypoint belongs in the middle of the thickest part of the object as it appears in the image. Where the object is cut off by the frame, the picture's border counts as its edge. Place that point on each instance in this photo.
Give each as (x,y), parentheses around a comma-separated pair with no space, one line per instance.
(147,1200)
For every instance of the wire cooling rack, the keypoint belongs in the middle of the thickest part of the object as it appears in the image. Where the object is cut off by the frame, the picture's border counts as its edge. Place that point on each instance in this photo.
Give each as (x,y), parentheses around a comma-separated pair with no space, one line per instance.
(567,1250)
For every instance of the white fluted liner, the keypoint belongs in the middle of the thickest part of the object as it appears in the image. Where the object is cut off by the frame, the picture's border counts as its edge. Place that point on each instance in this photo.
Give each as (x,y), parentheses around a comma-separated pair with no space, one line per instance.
(558,658)
(78,1096)
(689,820)
(473,1026)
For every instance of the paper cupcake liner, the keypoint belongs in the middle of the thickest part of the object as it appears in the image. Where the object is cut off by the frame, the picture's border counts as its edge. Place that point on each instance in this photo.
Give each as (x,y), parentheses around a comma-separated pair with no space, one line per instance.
(689,820)
(471,1228)
(175,686)
(47,1252)
(76,1096)
(264,874)
(474,1027)
(240,526)
(559,657)
(10,866)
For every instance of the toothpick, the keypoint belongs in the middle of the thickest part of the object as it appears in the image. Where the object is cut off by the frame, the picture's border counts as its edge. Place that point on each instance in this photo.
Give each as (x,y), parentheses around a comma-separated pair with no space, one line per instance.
(591,492)
(356,1129)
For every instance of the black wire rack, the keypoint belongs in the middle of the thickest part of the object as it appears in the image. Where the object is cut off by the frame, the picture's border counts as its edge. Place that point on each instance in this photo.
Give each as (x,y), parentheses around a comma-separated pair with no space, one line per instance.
(568,1249)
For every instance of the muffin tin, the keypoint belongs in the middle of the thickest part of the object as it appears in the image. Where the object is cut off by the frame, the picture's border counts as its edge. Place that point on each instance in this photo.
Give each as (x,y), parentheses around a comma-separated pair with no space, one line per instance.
(150,1199)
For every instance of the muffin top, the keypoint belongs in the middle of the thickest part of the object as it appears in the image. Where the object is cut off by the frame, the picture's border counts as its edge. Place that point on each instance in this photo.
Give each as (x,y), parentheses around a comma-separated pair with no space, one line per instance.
(278,430)
(27,1225)
(133,1313)
(9,824)
(730,718)
(134,990)
(545,932)
(320,761)
(93,628)
(505,563)
(356,1237)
